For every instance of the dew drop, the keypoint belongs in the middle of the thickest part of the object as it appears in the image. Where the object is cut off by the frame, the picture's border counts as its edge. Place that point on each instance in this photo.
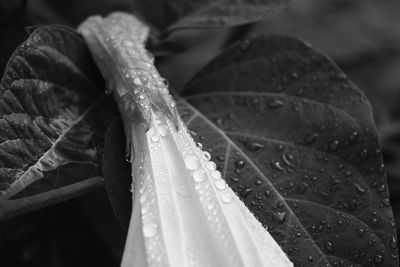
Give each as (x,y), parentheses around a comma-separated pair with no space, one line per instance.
(363,153)
(137,81)
(163,130)
(239,164)
(277,165)
(211,166)
(206,155)
(216,175)
(235,179)
(199,145)
(353,136)
(246,192)
(192,162)
(155,138)
(329,246)
(253,146)
(276,104)
(210,205)
(281,216)
(393,243)
(226,197)
(199,176)
(378,259)
(149,230)
(334,145)
(220,184)
(311,138)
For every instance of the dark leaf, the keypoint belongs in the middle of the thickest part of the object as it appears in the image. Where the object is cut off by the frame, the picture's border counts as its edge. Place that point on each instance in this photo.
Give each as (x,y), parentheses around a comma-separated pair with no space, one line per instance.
(176,14)
(53,119)
(296,140)
(117,173)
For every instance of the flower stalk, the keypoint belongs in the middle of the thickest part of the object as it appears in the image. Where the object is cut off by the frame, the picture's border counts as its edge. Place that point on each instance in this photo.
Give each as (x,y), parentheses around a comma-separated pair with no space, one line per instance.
(184,213)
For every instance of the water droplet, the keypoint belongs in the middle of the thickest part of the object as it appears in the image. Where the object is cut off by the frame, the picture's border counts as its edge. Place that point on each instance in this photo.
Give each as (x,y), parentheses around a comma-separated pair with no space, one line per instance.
(258,182)
(276,104)
(373,220)
(216,175)
(281,216)
(137,81)
(155,138)
(287,159)
(381,168)
(206,155)
(163,130)
(386,202)
(235,179)
(253,146)
(334,145)
(378,259)
(239,164)
(226,197)
(353,136)
(149,230)
(277,165)
(220,184)
(329,246)
(199,145)
(360,189)
(363,153)
(348,173)
(311,138)
(393,243)
(199,176)
(210,205)
(246,192)
(211,165)
(192,162)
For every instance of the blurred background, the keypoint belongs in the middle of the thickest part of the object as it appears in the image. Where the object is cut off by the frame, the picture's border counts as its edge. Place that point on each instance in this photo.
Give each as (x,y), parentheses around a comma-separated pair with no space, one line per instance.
(361,36)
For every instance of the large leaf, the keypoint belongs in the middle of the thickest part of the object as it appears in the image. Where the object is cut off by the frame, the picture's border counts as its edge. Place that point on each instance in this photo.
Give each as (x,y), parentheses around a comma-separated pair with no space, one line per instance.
(296,140)
(52,121)
(176,14)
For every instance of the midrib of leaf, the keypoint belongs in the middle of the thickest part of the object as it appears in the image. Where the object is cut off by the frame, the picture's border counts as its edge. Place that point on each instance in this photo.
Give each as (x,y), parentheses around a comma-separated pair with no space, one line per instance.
(27,179)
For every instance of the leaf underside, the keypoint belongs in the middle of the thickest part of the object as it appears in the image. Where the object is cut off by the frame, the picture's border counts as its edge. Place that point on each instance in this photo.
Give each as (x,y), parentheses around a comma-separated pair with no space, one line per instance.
(296,141)
(207,13)
(52,121)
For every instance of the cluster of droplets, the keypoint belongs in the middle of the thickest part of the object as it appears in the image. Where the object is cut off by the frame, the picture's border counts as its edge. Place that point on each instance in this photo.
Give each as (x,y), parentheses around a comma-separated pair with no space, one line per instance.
(211,189)
(136,83)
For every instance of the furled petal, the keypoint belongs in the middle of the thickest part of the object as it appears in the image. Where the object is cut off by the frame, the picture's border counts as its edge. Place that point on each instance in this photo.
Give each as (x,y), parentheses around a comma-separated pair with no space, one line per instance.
(184,214)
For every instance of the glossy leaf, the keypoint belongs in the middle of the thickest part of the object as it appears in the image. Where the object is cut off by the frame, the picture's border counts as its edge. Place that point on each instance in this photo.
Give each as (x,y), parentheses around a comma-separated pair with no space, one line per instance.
(52,121)
(296,140)
(206,13)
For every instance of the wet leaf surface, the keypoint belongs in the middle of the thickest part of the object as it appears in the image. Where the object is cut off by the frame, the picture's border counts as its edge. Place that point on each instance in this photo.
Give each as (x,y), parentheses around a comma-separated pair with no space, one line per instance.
(53,120)
(296,140)
(206,13)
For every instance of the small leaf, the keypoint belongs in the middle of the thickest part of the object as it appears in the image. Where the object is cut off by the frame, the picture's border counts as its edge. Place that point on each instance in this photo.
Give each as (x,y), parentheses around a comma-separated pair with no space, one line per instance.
(205,13)
(53,118)
(296,140)
(117,173)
